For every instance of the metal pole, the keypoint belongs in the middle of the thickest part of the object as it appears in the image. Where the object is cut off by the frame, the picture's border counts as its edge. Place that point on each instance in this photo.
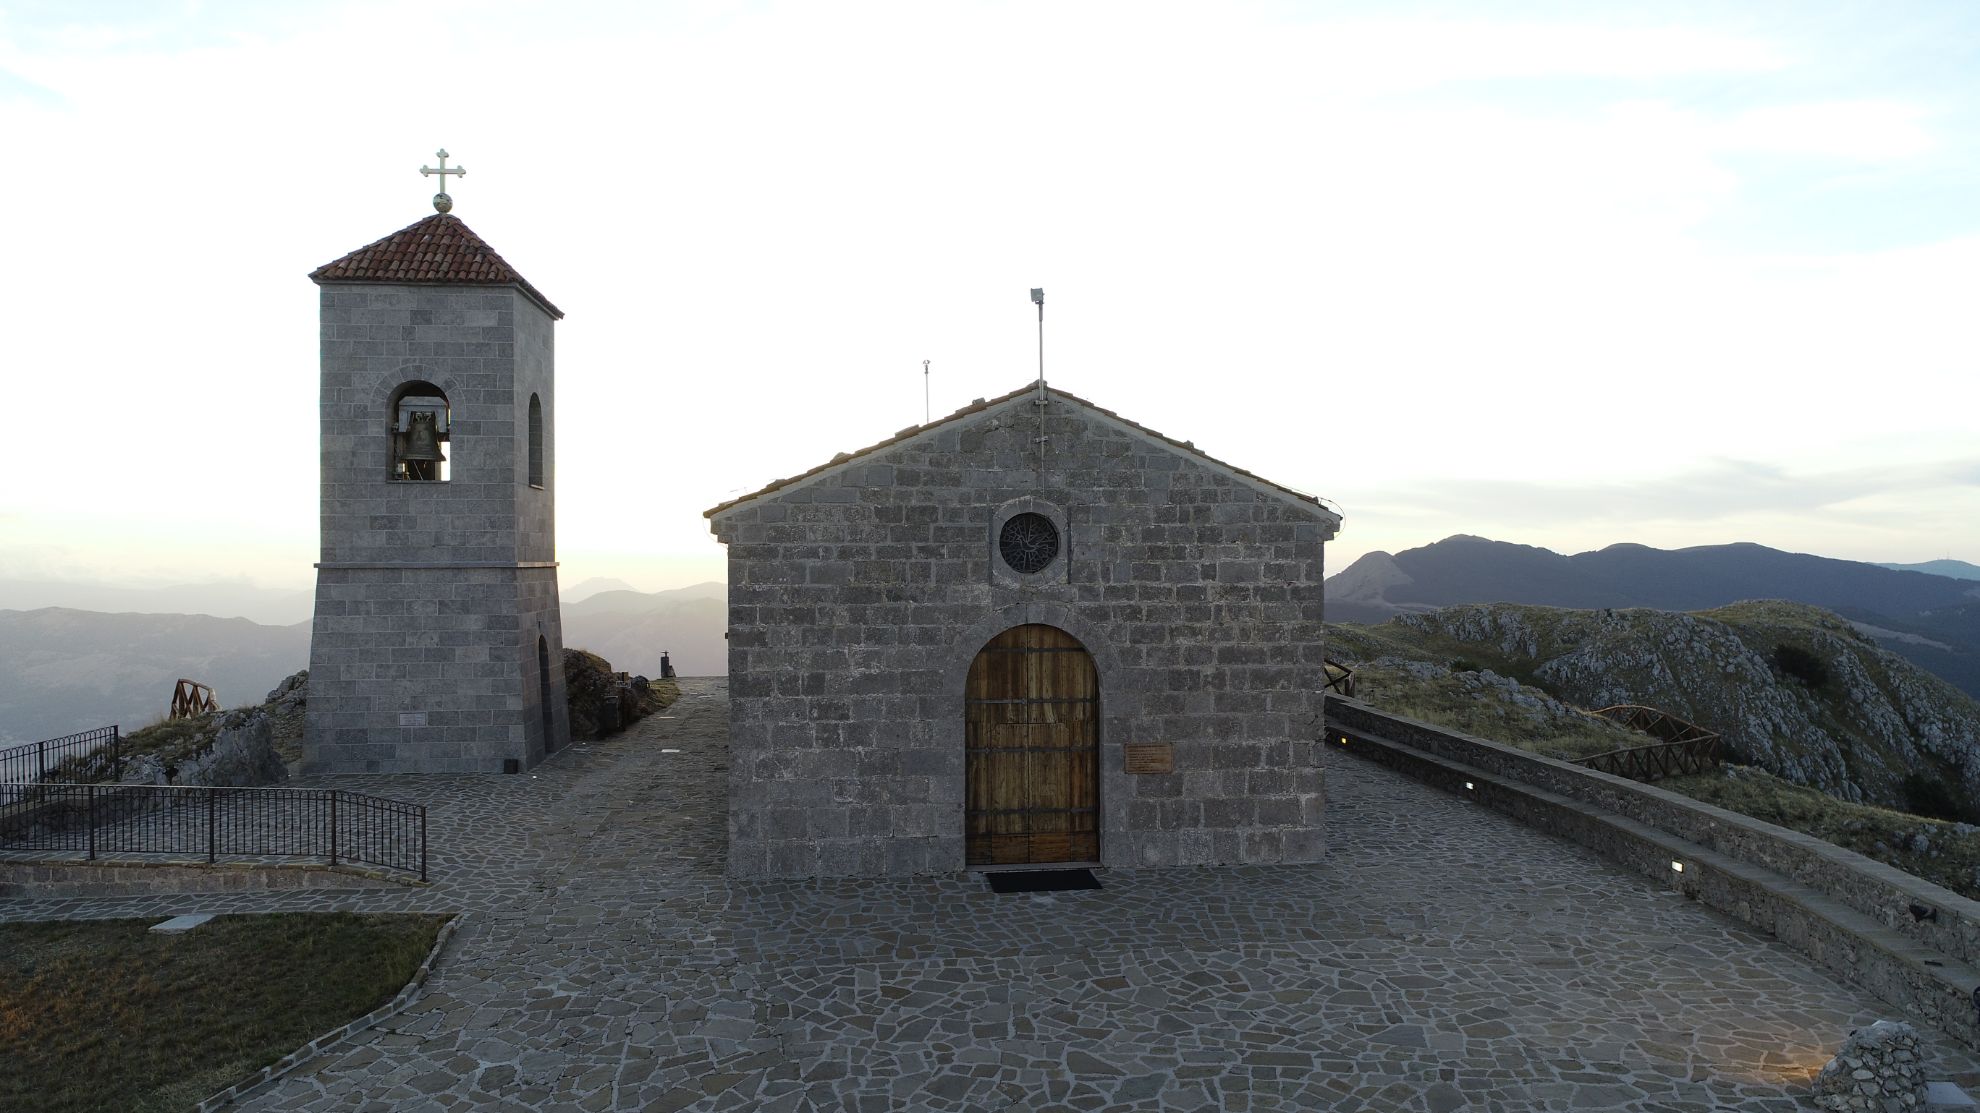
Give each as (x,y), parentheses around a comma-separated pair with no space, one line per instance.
(41,760)
(422,843)
(117,751)
(212,798)
(1038,298)
(333,826)
(90,823)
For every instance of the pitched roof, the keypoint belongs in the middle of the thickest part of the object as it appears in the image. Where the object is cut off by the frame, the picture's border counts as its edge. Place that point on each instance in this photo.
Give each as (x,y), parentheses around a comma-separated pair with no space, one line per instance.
(979,406)
(439,250)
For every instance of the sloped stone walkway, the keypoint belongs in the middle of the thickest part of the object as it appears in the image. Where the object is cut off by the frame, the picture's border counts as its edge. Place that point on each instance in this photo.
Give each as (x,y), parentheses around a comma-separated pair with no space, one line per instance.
(1443,958)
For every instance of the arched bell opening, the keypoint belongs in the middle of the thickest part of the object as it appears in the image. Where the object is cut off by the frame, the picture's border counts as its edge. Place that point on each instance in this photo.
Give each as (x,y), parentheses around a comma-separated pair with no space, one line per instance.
(1031,738)
(420,430)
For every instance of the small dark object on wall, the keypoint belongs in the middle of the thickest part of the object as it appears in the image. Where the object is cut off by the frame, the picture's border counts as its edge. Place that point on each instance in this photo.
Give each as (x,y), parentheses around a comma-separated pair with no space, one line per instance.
(1924,912)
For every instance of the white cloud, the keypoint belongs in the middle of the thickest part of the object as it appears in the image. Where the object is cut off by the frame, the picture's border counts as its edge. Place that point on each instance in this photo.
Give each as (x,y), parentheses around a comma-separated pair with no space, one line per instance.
(1349,254)
(1860,129)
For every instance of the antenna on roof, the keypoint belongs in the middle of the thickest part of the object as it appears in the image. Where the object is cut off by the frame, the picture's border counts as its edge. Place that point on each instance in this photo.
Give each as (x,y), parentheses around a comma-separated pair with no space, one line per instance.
(925,412)
(1038,403)
(1038,299)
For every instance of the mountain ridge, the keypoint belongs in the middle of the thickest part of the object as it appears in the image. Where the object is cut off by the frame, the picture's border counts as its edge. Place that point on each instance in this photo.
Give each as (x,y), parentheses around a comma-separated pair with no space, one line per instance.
(1932,620)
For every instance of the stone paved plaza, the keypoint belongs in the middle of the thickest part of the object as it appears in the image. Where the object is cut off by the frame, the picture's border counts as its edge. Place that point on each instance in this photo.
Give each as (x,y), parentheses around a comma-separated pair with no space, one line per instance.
(1441,958)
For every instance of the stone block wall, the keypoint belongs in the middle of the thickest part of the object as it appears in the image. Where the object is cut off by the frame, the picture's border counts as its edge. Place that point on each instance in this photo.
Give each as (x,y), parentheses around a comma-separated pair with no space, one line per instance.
(860,596)
(431,595)
(488,349)
(431,671)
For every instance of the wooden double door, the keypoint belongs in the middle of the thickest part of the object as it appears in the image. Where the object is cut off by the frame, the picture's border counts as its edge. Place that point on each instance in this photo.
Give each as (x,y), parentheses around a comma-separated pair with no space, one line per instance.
(1032,750)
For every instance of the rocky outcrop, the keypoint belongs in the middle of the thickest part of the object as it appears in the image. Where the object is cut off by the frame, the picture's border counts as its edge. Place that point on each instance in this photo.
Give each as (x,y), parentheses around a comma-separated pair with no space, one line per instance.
(286,706)
(222,749)
(1792,688)
(257,745)
(601,701)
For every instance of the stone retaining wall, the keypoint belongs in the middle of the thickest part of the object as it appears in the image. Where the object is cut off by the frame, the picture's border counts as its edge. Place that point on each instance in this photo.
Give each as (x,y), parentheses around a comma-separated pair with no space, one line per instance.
(44,879)
(1849,914)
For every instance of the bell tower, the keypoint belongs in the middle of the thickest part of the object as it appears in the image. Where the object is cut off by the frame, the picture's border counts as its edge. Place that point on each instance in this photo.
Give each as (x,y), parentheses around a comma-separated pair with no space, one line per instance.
(437,645)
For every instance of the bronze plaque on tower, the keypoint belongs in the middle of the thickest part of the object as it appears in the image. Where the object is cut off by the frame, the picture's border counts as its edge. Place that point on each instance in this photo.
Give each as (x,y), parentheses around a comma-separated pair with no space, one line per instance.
(1149,757)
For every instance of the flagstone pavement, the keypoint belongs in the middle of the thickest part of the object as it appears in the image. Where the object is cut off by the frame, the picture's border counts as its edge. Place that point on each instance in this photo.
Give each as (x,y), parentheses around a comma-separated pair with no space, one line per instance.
(1442,958)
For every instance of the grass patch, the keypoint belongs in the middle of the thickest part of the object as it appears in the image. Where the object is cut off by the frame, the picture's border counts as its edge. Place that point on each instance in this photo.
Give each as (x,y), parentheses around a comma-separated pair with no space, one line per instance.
(172,740)
(667,690)
(105,1015)
(1943,853)
(1470,702)
(175,740)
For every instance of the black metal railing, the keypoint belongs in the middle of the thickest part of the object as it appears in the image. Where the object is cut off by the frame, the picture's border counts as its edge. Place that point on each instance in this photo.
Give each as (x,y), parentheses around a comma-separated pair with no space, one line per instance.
(112,820)
(93,755)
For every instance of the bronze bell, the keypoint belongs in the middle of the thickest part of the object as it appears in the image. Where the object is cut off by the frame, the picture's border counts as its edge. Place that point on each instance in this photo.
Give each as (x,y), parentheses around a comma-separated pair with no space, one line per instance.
(422,442)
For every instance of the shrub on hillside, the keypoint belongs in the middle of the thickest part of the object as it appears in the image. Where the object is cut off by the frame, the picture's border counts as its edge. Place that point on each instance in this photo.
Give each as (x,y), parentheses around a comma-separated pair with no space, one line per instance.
(1931,796)
(1801,664)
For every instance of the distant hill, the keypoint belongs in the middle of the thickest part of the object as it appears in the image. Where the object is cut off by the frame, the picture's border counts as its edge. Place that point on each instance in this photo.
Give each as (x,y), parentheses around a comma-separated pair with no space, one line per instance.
(1932,620)
(270,606)
(64,670)
(632,628)
(1955,569)
(585,589)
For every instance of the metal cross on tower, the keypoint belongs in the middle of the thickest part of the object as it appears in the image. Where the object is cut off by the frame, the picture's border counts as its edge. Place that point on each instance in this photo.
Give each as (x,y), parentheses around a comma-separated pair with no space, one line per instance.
(441,202)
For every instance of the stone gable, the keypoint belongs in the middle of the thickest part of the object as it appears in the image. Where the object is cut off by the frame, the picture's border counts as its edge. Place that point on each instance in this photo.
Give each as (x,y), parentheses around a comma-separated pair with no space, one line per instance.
(860,595)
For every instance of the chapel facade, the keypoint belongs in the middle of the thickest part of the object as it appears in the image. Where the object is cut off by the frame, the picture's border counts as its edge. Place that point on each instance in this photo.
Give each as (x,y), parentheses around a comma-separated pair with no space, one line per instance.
(437,642)
(1030,633)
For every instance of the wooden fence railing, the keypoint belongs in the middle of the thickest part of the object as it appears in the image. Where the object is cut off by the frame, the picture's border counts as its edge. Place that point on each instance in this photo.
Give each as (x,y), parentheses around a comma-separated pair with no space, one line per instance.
(1685,748)
(191,698)
(1340,678)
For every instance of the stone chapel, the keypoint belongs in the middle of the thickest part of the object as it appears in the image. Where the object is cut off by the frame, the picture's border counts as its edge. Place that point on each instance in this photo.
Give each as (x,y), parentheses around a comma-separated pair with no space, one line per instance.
(437,644)
(1031,632)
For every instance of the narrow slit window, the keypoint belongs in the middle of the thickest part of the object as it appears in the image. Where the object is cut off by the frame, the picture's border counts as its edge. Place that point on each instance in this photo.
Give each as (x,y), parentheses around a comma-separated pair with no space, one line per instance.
(535,441)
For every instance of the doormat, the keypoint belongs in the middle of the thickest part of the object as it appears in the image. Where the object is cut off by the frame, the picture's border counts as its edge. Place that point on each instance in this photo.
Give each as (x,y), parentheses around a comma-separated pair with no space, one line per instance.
(1042,881)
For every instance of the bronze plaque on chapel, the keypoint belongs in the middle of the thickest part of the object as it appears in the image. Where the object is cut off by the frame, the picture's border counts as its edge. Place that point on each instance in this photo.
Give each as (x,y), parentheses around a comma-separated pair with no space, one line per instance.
(1149,757)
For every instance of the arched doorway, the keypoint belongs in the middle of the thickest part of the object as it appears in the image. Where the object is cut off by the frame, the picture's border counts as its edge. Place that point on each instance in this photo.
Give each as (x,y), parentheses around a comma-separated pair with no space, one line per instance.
(543,695)
(1031,733)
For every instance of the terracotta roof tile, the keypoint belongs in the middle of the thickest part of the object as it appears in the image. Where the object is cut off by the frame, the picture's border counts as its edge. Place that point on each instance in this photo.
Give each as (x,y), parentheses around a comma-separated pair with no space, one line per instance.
(439,250)
(991,403)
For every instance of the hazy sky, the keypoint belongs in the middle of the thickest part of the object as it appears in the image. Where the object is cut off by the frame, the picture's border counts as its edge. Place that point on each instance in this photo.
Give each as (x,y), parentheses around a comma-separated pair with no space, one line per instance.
(1562,274)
